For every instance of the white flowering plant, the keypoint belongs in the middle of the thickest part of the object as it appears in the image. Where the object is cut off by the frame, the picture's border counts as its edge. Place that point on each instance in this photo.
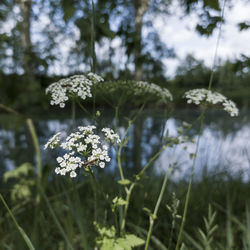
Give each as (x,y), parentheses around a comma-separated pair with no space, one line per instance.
(77,86)
(86,149)
(205,96)
(83,148)
(136,92)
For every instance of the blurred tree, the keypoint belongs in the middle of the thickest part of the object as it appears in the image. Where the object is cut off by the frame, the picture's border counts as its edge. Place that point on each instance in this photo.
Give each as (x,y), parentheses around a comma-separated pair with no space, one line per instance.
(25,7)
(192,73)
(32,47)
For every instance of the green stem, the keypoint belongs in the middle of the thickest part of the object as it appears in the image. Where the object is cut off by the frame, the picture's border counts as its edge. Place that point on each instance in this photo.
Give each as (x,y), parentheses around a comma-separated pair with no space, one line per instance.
(124,141)
(216,47)
(73,113)
(116,117)
(153,216)
(94,185)
(93,54)
(60,228)
(201,127)
(36,145)
(190,183)
(120,162)
(87,112)
(34,137)
(152,159)
(21,231)
(171,235)
(128,191)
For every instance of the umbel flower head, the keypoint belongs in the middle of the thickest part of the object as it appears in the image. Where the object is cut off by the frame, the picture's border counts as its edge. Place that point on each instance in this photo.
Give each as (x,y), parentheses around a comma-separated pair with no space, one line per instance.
(198,96)
(82,148)
(74,86)
(145,87)
(139,89)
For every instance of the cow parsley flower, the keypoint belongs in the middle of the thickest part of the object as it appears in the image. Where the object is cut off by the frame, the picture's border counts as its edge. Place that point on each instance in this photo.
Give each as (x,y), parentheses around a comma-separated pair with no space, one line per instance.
(95,78)
(74,86)
(231,108)
(111,135)
(83,148)
(142,89)
(53,141)
(145,87)
(198,96)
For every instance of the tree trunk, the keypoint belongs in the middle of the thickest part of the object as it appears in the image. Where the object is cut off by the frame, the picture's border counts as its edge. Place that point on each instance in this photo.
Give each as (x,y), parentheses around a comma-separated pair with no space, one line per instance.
(25,7)
(141,7)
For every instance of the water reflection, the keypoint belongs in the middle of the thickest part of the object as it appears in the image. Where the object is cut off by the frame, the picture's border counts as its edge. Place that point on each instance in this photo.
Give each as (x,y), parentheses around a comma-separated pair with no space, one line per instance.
(224,144)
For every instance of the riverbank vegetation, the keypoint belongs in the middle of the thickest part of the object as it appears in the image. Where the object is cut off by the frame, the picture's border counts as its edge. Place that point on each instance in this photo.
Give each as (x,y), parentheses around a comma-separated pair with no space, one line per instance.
(104,185)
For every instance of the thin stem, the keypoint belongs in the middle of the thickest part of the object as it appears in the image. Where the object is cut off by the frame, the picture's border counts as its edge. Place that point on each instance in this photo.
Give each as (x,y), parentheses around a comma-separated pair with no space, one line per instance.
(124,141)
(171,235)
(116,117)
(21,231)
(190,183)
(128,191)
(152,159)
(153,216)
(216,47)
(201,127)
(87,112)
(120,162)
(94,185)
(34,136)
(73,113)
(93,54)
(56,220)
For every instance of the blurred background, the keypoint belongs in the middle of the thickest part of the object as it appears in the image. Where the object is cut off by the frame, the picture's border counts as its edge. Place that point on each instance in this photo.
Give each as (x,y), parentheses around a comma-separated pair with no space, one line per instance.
(171,43)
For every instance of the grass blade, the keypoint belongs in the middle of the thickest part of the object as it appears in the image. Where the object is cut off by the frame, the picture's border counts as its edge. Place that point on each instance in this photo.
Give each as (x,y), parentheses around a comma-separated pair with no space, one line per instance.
(24,235)
(56,220)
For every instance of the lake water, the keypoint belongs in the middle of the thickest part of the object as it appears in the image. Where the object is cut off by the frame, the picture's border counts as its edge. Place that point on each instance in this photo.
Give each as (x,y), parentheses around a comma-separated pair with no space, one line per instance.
(224,144)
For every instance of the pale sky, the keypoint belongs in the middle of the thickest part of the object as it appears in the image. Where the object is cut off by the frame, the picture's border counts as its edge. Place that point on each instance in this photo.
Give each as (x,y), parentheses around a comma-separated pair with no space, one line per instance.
(176,32)
(180,34)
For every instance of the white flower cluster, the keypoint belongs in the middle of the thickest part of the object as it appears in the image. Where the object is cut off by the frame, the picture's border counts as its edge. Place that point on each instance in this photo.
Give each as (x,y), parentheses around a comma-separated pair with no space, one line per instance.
(83,149)
(197,96)
(145,87)
(53,141)
(111,135)
(231,108)
(94,77)
(137,88)
(77,85)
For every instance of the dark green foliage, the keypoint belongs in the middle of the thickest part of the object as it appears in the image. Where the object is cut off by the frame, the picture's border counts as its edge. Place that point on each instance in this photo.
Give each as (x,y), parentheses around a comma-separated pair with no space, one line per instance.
(244,25)
(113,19)
(208,23)
(72,204)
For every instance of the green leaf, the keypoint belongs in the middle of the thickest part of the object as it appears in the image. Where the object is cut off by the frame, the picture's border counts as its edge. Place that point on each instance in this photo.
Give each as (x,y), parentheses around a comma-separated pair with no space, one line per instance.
(118,201)
(19,172)
(133,240)
(128,242)
(105,232)
(22,190)
(107,244)
(124,182)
